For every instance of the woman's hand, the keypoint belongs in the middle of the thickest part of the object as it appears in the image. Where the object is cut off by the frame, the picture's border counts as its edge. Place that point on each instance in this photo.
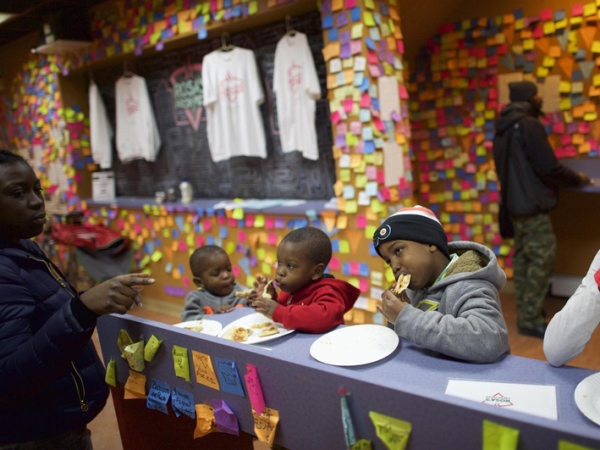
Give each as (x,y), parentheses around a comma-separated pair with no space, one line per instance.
(391,305)
(117,295)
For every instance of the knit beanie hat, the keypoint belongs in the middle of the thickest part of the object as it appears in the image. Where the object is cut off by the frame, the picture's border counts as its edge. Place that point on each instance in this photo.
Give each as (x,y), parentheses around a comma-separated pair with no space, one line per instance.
(416,224)
(521,91)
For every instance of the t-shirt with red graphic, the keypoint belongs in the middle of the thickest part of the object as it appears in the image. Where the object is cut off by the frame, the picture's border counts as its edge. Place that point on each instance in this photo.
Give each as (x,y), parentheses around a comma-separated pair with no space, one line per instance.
(137,133)
(297,86)
(101,131)
(232,95)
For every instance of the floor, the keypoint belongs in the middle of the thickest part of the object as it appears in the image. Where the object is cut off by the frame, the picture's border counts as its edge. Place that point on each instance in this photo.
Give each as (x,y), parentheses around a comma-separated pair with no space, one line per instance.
(105,431)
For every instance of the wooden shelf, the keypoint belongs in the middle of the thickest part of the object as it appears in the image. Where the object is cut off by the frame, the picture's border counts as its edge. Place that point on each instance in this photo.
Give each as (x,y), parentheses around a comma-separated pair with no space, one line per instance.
(63,47)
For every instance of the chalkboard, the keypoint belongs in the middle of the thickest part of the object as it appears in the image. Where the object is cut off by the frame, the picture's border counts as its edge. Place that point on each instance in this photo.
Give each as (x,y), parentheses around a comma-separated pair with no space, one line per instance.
(182,125)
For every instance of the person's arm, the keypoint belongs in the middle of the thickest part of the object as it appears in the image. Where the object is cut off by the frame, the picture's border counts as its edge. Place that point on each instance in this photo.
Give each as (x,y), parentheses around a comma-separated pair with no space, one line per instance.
(541,156)
(192,307)
(570,329)
(474,330)
(320,316)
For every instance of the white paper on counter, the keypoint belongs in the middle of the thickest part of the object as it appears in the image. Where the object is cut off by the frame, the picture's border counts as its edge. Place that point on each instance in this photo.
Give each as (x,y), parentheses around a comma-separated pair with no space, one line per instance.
(536,399)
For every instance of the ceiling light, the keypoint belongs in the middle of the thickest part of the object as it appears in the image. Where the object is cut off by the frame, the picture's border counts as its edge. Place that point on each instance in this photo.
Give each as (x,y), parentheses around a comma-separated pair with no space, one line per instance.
(5,16)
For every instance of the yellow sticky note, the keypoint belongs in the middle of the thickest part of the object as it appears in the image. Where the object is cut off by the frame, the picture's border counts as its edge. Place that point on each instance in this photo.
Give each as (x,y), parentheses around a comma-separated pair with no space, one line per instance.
(238,214)
(344,246)
(151,348)
(134,354)
(205,421)
(596,47)
(564,445)
(181,362)
(252,7)
(111,373)
(499,437)
(393,432)
(265,425)
(368,19)
(357,31)
(351,207)
(135,387)
(362,444)
(156,256)
(259,221)
(205,373)
(123,341)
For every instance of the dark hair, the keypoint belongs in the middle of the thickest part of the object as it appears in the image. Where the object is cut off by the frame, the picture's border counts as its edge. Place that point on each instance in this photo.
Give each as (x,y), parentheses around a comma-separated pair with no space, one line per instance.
(7,157)
(316,243)
(202,253)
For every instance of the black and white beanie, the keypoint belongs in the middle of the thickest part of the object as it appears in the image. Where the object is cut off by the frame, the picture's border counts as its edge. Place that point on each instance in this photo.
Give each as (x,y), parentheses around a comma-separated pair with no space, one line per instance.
(416,224)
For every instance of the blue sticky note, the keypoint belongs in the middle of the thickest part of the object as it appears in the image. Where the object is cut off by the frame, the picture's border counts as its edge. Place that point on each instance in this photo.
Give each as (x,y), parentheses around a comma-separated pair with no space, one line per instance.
(367,133)
(174,233)
(358,78)
(346,268)
(363,270)
(202,33)
(348,192)
(229,378)
(370,43)
(210,240)
(327,21)
(158,396)
(372,250)
(181,268)
(300,223)
(179,222)
(369,147)
(355,14)
(364,115)
(223,233)
(332,34)
(183,403)
(384,9)
(335,245)
(365,85)
(375,103)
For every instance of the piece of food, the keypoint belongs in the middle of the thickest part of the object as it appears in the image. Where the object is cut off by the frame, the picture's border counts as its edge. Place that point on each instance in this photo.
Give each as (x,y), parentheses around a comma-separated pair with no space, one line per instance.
(265,293)
(241,334)
(196,328)
(261,325)
(269,331)
(401,284)
(243,294)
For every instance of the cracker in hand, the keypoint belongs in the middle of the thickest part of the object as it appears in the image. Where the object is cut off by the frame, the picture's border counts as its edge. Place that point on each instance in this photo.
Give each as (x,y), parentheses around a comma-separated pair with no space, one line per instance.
(401,284)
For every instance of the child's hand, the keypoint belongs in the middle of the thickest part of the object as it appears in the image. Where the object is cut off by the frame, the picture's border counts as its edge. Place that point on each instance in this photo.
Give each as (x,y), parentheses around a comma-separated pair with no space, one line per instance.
(392,305)
(259,287)
(224,309)
(265,306)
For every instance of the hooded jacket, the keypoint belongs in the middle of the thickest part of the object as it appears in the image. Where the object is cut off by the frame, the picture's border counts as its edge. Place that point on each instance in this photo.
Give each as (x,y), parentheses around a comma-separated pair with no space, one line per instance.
(316,308)
(462,317)
(195,301)
(48,363)
(533,173)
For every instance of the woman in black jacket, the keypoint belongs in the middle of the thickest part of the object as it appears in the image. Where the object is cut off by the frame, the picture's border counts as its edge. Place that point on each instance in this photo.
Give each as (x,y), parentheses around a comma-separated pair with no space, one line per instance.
(51,379)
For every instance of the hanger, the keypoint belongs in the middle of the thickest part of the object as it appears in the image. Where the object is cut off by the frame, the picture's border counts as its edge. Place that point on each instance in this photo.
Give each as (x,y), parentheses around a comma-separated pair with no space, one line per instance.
(126,71)
(288,27)
(225,47)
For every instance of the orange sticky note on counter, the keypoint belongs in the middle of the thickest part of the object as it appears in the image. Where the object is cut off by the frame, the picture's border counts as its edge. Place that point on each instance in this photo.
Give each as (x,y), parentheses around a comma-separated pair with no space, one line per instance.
(265,425)
(205,373)
(205,421)
(135,387)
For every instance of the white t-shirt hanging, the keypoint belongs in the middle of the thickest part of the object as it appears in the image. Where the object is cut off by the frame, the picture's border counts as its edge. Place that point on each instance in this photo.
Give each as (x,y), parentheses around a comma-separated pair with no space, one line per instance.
(137,133)
(101,132)
(232,95)
(296,84)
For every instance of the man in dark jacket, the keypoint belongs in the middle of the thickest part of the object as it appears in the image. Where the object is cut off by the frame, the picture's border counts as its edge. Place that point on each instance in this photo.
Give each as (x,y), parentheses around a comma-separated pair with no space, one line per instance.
(533,176)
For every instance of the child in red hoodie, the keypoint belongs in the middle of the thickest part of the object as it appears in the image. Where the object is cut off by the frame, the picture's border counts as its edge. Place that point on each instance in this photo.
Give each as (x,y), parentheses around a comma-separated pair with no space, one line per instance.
(309,300)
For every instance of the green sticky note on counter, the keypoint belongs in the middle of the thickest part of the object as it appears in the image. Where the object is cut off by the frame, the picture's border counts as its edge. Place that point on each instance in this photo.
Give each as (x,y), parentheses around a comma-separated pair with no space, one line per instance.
(564,445)
(394,433)
(181,362)
(134,354)
(123,341)
(362,444)
(151,348)
(499,437)
(111,373)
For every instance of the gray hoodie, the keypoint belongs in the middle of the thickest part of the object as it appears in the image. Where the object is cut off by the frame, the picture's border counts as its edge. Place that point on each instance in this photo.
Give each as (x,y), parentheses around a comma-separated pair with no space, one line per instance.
(196,300)
(467,323)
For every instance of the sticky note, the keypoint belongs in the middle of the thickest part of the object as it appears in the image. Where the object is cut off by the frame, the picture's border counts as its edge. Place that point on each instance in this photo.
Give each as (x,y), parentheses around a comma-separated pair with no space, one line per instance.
(255,393)
(205,373)
(134,353)
(565,445)
(123,341)
(158,396)
(205,421)
(225,418)
(393,432)
(229,378)
(135,387)
(183,403)
(265,425)
(362,444)
(151,348)
(499,437)
(181,362)
(111,373)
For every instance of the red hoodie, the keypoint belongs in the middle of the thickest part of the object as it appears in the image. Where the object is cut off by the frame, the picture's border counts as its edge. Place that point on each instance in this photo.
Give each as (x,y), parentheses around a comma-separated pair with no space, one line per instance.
(316,308)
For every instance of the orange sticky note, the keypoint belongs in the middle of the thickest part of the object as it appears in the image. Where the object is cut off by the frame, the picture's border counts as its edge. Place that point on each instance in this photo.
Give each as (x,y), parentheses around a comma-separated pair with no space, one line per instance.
(205,421)
(265,425)
(135,387)
(205,373)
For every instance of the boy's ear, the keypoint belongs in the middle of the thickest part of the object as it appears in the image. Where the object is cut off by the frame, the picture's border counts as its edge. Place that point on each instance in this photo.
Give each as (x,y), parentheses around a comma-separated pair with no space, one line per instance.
(198,282)
(432,248)
(318,271)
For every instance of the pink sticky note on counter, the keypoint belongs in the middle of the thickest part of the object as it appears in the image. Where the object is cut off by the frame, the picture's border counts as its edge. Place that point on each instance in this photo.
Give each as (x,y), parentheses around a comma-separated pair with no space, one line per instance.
(255,393)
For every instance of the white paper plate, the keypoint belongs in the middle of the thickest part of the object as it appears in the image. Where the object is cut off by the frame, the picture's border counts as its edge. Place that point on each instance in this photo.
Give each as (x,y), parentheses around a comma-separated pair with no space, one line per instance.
(254,338)
(355,345)
(210,327)
(587,397)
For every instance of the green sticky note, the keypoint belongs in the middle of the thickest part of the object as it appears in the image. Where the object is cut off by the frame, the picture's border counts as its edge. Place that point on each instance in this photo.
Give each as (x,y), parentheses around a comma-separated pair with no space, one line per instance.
(253,8)
(134,354)
(151,348)
(499,437)
(238,214)
(181,362)
(111,373)
(156,256)
(123,341)
(230,248)
(259,221)
(564,445)
(344,246)
(394,433)
(362,444)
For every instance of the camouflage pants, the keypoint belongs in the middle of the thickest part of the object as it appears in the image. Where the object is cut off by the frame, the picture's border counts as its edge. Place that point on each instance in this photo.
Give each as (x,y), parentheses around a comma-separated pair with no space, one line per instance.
(533,263)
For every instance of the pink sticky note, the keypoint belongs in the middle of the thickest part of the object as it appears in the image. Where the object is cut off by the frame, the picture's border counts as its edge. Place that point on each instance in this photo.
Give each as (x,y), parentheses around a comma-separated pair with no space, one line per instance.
(365,100)
(361,222)
(257,400)
(577,10)
(221,220)
(269,223)
(335,117)
(182,246)
(236,270)
(137,228)
(272,238)
(546,14)
(354,268)
(363,285)
(356,47)
(334,263)
(199,241)
(348,103)
(241,236)
(250,220)
(232,222)
(185,280)
(350,4)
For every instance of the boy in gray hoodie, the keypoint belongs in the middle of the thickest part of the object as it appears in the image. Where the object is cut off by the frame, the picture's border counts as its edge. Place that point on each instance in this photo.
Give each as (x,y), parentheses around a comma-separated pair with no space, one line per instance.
(217,288)
(452,303)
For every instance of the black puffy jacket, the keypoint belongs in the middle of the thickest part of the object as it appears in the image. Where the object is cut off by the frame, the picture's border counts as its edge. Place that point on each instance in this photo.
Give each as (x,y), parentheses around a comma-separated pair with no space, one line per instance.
(534,174)
(48,363)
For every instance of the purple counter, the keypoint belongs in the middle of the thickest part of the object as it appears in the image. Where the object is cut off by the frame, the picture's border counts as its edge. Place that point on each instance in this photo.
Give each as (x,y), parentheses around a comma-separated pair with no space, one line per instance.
(408,385)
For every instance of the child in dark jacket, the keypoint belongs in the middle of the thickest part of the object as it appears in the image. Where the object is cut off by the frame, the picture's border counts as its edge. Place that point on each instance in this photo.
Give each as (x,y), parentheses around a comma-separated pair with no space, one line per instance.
(217,290)
(309,300)
(52,381)
(452,303)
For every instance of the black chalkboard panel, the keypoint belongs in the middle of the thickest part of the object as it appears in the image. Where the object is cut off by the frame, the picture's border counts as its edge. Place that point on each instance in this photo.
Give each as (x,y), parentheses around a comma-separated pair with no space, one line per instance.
(172,83)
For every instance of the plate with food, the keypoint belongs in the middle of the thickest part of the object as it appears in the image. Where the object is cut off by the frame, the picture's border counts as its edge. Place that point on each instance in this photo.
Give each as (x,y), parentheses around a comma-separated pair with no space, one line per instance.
(587,397)
(254,329)
(355,345)
(210,327)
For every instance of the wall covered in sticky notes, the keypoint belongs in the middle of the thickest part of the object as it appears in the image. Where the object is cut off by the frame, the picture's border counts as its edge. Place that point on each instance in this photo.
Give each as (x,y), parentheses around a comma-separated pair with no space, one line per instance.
(458,87)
